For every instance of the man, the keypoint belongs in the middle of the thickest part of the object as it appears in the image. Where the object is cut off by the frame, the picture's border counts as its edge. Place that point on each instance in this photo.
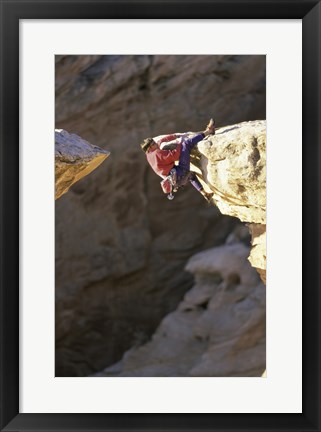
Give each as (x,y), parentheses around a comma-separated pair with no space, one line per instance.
(163,160)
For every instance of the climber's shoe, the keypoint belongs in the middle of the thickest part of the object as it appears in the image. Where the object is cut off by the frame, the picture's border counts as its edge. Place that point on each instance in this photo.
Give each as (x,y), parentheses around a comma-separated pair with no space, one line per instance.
(210,128)
(207,195)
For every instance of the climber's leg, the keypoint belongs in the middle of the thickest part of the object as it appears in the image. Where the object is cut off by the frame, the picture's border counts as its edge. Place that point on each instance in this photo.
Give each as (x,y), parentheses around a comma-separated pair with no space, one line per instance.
(195,182)
(198,186)
(207,195)
(187,147)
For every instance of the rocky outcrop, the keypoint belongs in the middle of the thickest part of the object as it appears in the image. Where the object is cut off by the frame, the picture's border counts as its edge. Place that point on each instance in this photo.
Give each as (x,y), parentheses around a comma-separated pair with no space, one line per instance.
(121,246)
(232,164)
(74,159)
(217,330)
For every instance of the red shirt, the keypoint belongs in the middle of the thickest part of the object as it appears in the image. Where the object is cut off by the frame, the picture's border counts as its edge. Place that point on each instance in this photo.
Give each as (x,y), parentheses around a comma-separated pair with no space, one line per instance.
(162,161)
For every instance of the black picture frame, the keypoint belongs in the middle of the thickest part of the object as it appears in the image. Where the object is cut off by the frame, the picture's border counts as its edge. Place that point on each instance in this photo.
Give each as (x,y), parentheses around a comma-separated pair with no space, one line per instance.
(11,12)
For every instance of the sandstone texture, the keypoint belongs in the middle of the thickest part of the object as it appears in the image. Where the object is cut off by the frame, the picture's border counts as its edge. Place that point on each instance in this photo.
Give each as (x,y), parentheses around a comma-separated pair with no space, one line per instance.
(121,246)
(232,164)
(217,330)
(74,159)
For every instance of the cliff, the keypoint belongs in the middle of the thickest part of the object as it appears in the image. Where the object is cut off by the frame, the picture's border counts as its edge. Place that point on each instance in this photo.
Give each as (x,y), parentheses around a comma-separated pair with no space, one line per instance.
(232,164)
(121,246)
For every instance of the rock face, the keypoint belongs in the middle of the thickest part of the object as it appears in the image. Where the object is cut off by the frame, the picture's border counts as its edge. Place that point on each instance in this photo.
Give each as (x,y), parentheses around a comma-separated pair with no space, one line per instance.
(217,330)
(74,159)
(121,246)
(232,164)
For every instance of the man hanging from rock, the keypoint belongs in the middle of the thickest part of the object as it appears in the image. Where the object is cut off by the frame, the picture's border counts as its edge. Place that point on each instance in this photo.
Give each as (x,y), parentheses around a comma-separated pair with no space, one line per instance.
(162,154)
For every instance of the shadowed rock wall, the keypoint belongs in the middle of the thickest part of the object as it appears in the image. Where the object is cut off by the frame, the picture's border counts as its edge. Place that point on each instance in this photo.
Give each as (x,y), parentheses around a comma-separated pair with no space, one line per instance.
(217,330)
(121,246)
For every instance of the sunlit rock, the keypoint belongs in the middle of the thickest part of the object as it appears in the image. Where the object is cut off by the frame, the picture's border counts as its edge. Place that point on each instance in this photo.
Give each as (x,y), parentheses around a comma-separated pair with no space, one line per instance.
(74,159)
(232,164)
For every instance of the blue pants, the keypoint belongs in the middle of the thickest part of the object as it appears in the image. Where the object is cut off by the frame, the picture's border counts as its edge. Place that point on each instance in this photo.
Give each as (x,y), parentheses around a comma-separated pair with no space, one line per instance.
(182,169)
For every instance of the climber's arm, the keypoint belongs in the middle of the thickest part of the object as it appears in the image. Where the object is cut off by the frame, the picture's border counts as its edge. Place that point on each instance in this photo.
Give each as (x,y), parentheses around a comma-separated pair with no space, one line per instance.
(169,156)
(167,138)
